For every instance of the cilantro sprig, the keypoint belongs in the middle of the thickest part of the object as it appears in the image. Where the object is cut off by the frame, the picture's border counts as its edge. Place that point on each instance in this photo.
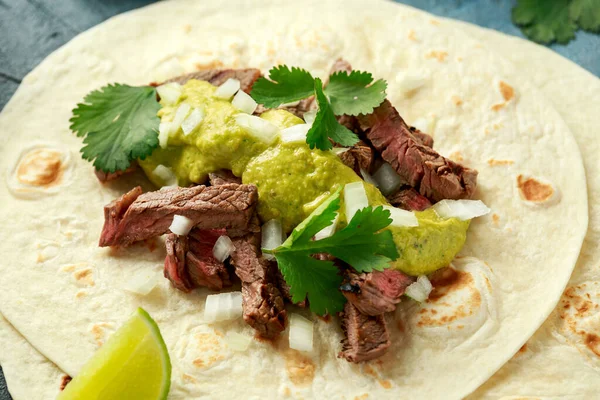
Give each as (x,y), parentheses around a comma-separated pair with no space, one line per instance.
(547,21)
(363,244)
(347,93)
(119,123)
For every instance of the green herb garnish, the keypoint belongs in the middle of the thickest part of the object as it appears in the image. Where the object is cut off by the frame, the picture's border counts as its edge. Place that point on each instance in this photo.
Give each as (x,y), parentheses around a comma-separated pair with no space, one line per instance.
(350,94)
(326,125)
(547,21)
(119,123)
(362,244)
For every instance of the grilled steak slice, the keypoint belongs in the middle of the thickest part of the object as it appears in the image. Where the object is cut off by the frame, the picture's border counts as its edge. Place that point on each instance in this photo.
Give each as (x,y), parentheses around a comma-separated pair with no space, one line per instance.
(366,338)
(151,214)
(203,268)
(421,137)
(434,176)
(111,176)
(223,177)
(114,213)
(262,302)
(175,262)
(360,156)
(409,199)
(377,292)
(190,263)
(217,77)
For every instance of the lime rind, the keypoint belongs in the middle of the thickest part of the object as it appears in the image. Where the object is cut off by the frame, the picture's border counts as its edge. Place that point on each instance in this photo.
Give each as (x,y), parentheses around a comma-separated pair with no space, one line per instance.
(165,358)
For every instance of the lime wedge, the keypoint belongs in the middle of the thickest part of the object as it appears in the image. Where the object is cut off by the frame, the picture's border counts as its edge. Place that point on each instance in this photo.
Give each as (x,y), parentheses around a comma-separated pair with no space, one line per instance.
(132,364)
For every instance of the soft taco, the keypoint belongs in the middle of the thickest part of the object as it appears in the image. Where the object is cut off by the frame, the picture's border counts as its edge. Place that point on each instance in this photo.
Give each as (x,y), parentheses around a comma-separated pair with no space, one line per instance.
(501,285)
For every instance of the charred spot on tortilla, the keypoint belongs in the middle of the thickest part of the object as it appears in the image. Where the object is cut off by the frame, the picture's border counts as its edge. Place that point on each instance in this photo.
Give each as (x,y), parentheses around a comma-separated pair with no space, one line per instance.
(64,381)
(300,368)
(39,169)
(537,190)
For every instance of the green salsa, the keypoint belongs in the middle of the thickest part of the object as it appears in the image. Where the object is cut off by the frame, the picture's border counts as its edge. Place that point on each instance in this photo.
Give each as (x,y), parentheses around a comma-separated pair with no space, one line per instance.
(292,179)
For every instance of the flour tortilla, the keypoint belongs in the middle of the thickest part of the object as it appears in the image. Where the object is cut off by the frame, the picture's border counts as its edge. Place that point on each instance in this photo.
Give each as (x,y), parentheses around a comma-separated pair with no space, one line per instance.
(513,281)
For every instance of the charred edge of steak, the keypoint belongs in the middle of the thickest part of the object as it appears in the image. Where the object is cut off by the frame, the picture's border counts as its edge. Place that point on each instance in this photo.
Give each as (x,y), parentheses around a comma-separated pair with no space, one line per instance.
(111,176)
(262,302)
(223,177)
(360,156)
(175,262)
(217,77)
(150,214)
(367,337)
(375,293)
(263,308)
(409,199)
(113,215)
(421,137)
(434,176)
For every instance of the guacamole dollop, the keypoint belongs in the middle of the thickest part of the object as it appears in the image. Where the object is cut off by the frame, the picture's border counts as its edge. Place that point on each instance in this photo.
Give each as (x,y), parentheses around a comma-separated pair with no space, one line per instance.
(291,178)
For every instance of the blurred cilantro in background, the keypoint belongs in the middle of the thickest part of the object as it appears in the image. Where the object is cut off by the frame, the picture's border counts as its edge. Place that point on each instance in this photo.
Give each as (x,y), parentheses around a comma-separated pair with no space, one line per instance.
(547,21)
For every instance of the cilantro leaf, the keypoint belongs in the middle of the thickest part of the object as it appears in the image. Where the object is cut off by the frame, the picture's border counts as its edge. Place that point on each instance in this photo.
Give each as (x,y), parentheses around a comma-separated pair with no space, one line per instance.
(326,126)
(319,280)
(586,13)
(349,93)
(119,123)
(545,21)
(285,86)
(362,244)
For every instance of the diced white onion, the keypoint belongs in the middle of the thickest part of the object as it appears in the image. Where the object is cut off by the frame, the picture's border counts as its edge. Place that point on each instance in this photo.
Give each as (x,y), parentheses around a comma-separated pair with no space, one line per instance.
(181,225)
(143,282)
(301,333)
(165,174)
(328,230)
(368,178)
(182,111)
(237,341)
(169,92)
(355,198)
(461,209)
(223,306)
(401,218)
(309,116)
(192,121)
(258,127)
(410,82)
(164,129)
(296,133)
(227,89)
(387,179)
(340,150)
(419,290)
(223,248)
(272,236)
(243,102)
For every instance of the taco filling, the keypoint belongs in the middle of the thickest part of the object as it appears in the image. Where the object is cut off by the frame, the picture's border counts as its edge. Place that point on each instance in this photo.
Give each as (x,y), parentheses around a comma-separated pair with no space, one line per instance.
(304,193)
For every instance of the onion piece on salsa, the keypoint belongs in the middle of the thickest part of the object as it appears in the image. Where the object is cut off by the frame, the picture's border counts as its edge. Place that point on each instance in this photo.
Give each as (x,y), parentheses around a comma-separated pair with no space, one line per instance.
(169,92)
(355,198)
(402,218)
(243,102)
(227,89)
(258,127)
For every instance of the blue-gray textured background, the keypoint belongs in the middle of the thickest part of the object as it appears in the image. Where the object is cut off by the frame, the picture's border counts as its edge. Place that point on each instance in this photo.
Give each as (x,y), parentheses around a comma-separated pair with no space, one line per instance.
(32,29)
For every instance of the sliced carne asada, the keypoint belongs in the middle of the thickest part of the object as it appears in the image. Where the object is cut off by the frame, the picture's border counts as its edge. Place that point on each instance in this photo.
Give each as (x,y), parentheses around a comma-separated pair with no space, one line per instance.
(360,156)
(366,338)
(175,262)
(217,77)
(223,177)
(203,268)
(137,216)
(111,176)
(422,137)
(434,176)
(190,263)
(262,302)
(409,199)
(376,292)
